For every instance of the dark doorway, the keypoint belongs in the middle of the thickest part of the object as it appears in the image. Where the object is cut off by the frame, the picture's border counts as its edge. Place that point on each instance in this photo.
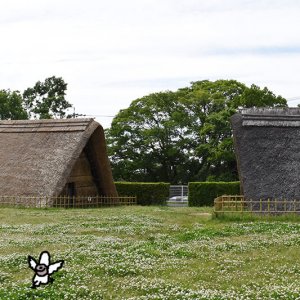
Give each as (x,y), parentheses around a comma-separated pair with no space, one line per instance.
(71,193)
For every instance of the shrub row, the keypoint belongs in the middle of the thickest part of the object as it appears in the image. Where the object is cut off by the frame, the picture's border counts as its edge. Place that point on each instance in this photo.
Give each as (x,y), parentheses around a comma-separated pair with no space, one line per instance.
(204,193)
(200,193)
(147,193)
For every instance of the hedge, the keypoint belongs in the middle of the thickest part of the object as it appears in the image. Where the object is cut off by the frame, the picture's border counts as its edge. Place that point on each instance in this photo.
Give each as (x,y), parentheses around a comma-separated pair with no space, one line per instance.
(204,193)
(147,193)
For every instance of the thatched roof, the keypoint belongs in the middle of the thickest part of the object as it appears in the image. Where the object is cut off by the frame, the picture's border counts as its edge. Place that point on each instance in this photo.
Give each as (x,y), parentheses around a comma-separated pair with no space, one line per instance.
(36,157)
(267,146)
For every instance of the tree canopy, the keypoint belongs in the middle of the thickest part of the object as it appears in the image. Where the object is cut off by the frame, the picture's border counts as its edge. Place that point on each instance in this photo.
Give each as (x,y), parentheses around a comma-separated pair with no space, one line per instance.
(182,136)
(47,99)
(11,107)
(43,101)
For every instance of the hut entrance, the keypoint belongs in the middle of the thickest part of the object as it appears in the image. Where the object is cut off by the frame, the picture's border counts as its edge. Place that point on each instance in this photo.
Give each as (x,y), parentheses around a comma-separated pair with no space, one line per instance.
(71,191)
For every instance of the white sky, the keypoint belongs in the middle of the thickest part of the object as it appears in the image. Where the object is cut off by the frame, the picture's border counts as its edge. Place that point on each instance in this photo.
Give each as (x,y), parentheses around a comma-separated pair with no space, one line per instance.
(115,51)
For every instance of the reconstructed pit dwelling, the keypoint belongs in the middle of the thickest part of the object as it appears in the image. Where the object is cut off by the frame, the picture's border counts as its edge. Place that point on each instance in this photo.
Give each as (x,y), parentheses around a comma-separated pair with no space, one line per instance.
(267,146)
(54,158)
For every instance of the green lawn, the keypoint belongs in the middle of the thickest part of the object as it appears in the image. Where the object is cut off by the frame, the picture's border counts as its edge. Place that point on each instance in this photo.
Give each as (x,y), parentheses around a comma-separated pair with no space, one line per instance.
(150,253)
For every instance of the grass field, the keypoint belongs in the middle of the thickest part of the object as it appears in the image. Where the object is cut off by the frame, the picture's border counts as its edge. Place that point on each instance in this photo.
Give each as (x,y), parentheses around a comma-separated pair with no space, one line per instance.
(150,253)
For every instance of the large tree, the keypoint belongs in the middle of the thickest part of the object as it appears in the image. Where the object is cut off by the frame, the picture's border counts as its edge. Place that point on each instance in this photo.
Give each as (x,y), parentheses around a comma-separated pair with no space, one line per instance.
(184,135)
(11,107)
(47,99)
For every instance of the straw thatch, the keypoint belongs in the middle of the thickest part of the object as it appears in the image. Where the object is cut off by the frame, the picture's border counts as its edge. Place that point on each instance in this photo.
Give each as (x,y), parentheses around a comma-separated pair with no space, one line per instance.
(267,146)
(42,157)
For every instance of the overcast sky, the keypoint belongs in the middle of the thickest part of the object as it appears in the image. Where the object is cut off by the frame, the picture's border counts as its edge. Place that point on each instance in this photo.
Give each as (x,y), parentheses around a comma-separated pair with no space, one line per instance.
(112,52)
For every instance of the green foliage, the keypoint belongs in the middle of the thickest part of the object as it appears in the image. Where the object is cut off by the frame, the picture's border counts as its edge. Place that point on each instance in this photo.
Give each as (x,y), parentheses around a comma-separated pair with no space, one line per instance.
(256,97)
(204,193)
(44,101)
(11,106)
(147,193)
(182,136)
(47,99)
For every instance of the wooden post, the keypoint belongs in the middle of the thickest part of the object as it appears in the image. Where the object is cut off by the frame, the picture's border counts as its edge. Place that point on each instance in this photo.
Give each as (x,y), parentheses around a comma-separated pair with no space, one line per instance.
(284,205)
(235,205)
(260,206)
(222,204)
(242,204)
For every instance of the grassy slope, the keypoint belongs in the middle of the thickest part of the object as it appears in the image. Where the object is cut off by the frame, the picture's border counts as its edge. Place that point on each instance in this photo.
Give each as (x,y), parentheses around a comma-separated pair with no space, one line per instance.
(150,253)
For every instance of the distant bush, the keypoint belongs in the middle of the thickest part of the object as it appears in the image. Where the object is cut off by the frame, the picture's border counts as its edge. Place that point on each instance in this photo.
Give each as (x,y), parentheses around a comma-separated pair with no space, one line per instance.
(204,193)
(147,193)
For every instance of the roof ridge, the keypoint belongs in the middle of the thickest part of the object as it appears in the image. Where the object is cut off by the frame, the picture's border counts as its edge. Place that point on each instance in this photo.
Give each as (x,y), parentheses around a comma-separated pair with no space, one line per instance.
(49,125)
(45,121)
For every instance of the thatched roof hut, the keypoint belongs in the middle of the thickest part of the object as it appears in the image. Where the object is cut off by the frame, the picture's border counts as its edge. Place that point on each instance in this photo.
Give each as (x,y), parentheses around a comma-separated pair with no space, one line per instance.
(54,157)
(267,146)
